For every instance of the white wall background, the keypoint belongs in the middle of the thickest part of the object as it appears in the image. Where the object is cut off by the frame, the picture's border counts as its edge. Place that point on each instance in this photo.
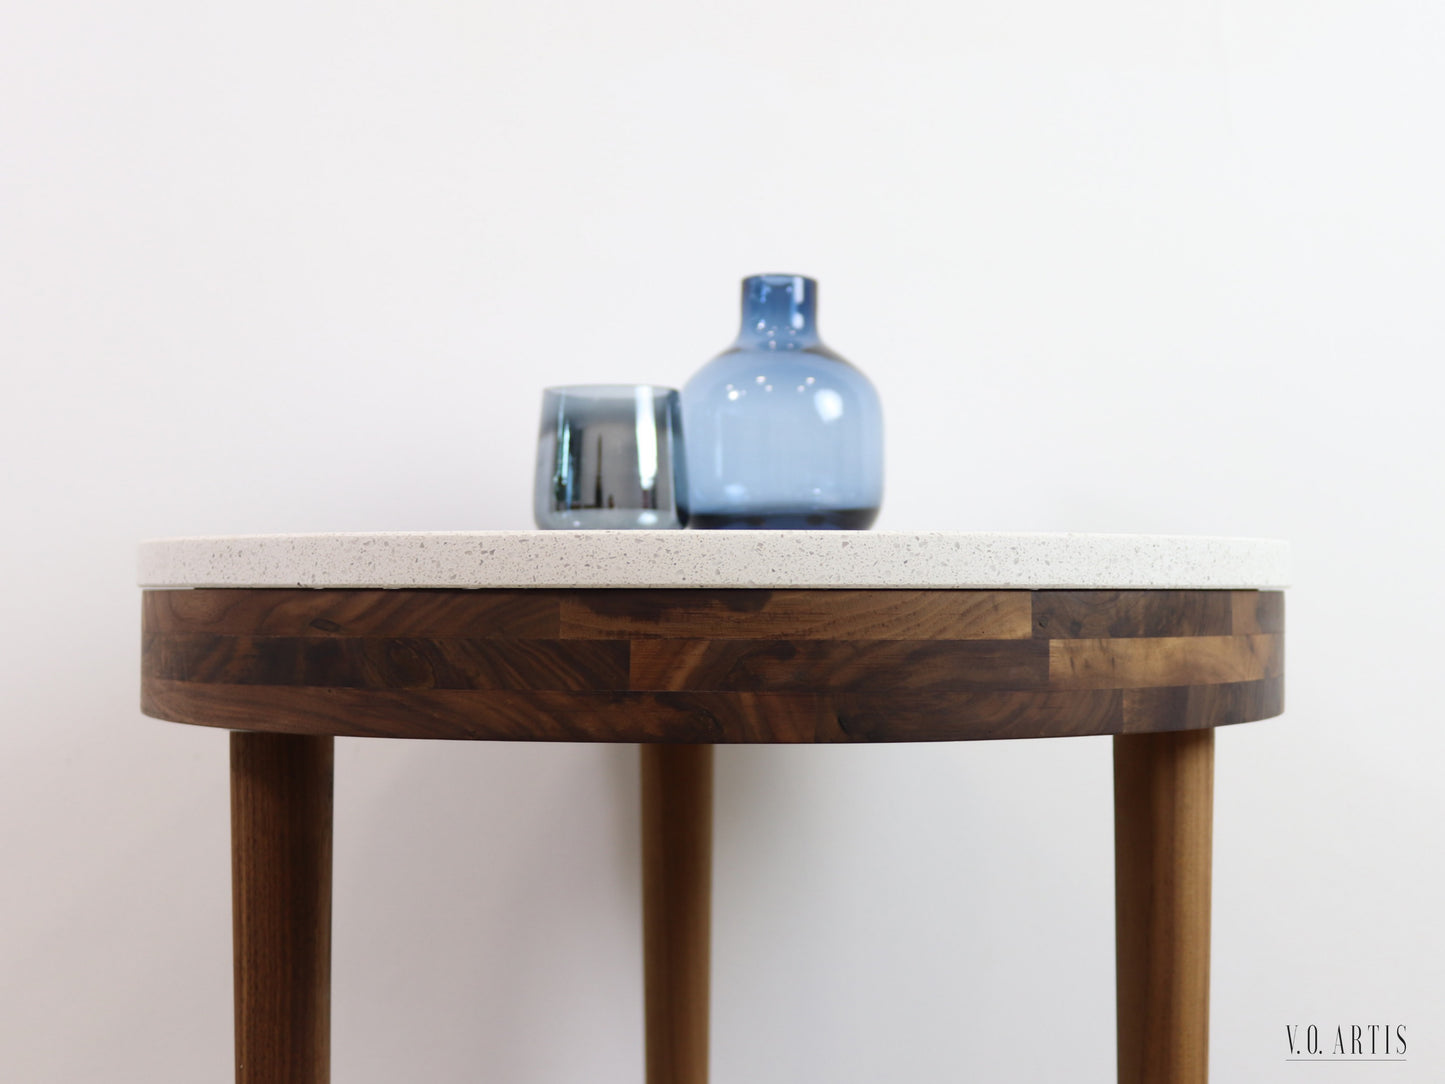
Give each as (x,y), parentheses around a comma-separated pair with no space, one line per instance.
(1118,266)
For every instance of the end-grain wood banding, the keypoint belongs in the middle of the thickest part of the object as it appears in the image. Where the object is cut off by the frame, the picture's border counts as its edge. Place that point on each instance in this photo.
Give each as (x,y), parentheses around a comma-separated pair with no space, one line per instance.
(712,666)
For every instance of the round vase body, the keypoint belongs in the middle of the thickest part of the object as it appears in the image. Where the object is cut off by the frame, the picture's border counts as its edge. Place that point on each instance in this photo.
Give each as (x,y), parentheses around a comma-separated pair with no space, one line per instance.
(781,432)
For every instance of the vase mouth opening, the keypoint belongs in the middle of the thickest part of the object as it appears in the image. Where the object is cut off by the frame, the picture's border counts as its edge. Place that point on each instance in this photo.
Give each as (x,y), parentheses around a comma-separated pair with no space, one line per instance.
(777,279)
(779,307)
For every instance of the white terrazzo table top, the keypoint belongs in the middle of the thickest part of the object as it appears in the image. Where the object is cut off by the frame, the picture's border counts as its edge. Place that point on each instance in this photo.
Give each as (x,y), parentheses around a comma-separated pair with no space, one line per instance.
(715,559)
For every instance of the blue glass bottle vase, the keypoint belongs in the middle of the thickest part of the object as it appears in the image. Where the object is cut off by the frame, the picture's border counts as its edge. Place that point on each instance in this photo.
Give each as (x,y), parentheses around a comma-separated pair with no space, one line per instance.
(781,432)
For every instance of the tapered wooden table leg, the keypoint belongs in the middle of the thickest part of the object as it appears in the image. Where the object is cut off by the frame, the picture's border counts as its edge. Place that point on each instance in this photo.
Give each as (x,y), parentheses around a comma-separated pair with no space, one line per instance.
(1163,820)
(281,906)
(676,909)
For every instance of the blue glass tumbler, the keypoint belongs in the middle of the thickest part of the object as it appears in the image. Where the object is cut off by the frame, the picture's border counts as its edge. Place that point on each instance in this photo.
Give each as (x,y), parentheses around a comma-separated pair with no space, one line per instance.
(609,457)
(781,431)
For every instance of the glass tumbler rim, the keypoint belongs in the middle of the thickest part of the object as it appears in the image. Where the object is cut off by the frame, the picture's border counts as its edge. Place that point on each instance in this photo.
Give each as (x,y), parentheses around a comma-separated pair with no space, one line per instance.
(607,391)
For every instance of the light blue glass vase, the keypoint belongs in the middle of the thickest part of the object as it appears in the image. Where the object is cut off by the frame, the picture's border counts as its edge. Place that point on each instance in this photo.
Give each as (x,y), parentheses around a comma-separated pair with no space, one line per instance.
(781,432)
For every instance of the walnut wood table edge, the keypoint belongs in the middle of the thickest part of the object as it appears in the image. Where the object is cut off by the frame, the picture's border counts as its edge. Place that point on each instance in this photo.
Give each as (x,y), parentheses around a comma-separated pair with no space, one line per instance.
(712,665)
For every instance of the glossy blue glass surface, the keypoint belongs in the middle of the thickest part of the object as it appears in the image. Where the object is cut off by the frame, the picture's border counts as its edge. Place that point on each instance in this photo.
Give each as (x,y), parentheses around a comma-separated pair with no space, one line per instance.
(782,432)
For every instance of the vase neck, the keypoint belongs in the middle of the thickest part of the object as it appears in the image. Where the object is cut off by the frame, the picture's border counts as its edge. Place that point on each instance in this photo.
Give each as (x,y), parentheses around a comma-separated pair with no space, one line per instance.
(779,311)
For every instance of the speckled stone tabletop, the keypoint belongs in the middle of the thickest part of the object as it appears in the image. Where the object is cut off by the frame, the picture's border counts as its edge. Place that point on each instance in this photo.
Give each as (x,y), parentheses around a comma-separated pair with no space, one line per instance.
(715,559)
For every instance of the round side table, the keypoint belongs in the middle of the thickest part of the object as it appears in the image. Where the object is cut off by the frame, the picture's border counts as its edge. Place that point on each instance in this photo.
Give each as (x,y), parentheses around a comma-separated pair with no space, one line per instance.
(683,640)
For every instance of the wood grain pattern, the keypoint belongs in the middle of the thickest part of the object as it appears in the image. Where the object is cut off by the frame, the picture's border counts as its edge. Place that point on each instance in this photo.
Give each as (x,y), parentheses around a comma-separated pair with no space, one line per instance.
(1062,615)
(1165,660)
(424,613)
(797,615)
(1257,611)
(1163,816)
(677,802)
(712,666)
(399,662)
(281,907)
(509,715)
(838,665)
(1193,707)
(596,614)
